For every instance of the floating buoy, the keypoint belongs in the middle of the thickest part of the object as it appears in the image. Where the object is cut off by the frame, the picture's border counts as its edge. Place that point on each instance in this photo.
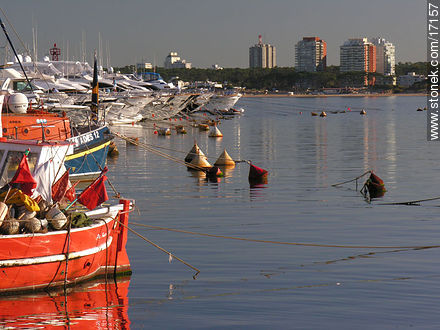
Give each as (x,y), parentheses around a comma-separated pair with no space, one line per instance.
(193,152)
(323,114)
(112,150)
(314,114)
(214,172)
(180,129)
(419,109)
(215,132)
(257,174)
(300,112)
(133,140)
(204,127)
(200,160)
(155,132)
(363,112)
(225,160)
(152,115)
(375,186)
(164,131)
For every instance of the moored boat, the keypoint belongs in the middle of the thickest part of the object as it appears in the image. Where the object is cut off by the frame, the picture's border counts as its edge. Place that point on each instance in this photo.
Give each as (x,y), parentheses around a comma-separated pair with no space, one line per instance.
(49,257)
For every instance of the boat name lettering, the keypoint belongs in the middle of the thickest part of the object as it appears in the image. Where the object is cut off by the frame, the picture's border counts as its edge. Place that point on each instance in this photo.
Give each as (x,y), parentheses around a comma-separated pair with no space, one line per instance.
(41,121)
(85,138)
(101,236)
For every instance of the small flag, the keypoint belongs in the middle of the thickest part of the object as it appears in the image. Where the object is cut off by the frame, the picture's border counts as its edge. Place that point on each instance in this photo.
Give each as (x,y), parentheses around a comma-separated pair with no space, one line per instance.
(71,193)
(95,194)
(60,187)
(24,177)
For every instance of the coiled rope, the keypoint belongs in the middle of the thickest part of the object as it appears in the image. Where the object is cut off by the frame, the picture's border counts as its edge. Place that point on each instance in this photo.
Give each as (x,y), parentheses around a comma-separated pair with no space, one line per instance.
(415,247)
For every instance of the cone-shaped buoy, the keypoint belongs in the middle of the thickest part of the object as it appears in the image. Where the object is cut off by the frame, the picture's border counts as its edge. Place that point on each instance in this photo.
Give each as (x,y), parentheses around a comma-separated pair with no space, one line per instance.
(215,132)
(323,114)
(200,161)
(363,112)
(214,172)
(375,186)
(257,174)
(419,109)
(193,152)
(224,160)
(314,114)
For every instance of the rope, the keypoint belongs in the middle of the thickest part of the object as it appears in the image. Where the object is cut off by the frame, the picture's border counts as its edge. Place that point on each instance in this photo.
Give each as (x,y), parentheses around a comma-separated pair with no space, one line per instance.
(162,249)
(288,243)
(355,179)
(411,202)
(158,153)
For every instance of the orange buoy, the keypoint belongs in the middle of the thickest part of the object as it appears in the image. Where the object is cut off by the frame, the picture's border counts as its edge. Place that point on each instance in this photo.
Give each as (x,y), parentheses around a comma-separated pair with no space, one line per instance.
(363,112)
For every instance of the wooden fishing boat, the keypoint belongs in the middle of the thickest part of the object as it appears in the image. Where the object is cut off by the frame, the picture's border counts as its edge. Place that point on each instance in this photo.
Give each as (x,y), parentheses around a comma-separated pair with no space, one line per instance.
(50,258)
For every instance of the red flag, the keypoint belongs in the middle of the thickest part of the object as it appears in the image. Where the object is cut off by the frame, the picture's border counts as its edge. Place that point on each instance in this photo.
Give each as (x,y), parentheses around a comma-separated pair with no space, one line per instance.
(94,194)
(60,187)
(70,193)
(24,177)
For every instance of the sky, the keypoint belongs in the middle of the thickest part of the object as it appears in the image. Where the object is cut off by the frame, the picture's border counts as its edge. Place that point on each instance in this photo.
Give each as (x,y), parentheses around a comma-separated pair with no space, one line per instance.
(207,32)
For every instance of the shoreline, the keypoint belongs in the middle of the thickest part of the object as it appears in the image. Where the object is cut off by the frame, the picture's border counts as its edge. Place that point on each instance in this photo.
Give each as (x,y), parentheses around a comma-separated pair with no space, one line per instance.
(330,95)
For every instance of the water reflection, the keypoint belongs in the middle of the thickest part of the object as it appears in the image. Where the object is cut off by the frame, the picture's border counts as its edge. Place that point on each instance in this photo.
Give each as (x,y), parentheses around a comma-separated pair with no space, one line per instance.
(92,305)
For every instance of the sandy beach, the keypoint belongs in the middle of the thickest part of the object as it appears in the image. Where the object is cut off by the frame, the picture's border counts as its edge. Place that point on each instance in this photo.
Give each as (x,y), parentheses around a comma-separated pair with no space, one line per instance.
(332,95)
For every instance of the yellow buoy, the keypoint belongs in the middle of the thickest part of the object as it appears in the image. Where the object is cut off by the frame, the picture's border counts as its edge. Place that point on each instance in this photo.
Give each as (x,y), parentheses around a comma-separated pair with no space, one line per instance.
(323,114)
(363,112)
(200,160)
(215,132)
(193,152)
(204,127)
(224,160)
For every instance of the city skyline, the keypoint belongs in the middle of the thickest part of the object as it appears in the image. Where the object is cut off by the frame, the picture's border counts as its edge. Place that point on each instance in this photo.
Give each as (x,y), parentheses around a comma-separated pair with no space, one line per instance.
(207,32)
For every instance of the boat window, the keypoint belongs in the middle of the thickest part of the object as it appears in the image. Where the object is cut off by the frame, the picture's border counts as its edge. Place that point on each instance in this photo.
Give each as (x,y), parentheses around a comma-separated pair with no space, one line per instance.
(21,86)
(11,165)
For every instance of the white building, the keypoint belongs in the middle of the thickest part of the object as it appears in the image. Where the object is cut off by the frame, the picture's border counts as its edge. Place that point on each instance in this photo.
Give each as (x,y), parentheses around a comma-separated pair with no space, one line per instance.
(262,55)
(410,79)
(358,55)
(173,61)
(311,55)
(385,56)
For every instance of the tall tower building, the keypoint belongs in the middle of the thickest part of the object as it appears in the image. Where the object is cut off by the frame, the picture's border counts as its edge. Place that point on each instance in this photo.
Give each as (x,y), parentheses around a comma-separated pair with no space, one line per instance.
(262,55)
(311,55)
(385,56)
(358,55)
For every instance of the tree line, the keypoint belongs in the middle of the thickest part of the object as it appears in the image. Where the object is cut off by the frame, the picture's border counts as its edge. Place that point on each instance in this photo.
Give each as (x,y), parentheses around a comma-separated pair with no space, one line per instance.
(287,78)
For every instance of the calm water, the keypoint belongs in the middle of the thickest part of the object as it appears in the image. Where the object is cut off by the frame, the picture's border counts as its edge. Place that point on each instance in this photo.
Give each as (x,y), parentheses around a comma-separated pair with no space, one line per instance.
(246,284)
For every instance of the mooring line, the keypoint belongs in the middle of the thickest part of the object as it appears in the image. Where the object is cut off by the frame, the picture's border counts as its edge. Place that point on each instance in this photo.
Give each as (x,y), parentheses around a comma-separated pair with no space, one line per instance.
(288,243)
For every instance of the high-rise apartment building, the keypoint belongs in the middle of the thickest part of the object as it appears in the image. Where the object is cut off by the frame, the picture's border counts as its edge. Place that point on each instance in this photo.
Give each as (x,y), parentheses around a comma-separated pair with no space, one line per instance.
(385,56)
(311,55)
(358,55)
(262,55)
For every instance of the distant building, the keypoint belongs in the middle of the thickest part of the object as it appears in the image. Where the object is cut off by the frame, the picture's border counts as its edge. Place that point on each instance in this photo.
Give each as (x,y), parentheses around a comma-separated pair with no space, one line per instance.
(262,55)
(358,55)
(173,61)
(311,55)
(146,66)
(410,79)
(385,56)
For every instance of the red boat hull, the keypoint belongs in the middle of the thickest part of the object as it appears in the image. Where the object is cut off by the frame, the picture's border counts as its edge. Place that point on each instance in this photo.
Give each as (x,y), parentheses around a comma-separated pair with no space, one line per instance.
(30,262)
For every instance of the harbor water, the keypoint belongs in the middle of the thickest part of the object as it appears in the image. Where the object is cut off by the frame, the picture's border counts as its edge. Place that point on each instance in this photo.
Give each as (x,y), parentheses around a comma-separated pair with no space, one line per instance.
(295,253)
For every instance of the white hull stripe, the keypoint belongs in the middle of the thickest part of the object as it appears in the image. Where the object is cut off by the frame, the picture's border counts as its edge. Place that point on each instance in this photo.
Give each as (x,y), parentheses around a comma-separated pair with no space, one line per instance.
(54,258)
